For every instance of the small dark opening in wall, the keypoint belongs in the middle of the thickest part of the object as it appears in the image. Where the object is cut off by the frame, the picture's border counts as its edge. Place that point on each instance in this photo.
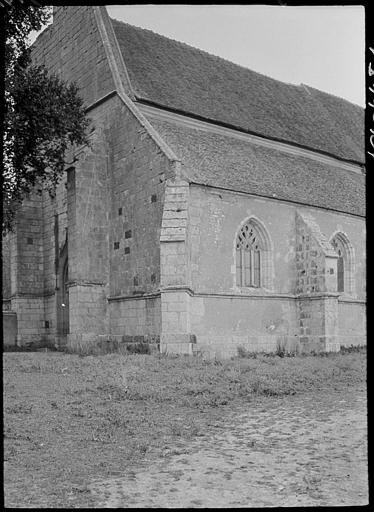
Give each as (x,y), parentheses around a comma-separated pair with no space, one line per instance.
(30,241)
(128,234)
(127,250)
(119,211)
(46,324)
(153,198)
(331,270)
(116,245)
(153,278)
(136,281)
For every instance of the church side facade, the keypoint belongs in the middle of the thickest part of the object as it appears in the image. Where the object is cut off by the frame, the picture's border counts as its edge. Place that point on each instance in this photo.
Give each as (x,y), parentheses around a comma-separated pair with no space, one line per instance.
(131,250)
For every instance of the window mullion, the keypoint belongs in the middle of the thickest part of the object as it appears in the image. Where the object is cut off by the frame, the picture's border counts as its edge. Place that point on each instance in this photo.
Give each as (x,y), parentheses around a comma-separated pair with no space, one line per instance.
(252,268)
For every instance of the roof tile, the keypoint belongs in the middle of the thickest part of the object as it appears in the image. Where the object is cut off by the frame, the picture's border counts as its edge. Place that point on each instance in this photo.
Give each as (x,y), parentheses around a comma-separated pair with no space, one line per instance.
(223,161)
(179,77)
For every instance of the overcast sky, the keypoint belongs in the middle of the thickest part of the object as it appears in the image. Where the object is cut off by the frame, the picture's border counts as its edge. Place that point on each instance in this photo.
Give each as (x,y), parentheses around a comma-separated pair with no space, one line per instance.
(323,47)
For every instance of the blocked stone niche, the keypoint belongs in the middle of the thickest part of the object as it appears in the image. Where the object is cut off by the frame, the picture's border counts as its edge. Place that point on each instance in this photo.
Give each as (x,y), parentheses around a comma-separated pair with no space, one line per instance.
(316,266)
(316,260)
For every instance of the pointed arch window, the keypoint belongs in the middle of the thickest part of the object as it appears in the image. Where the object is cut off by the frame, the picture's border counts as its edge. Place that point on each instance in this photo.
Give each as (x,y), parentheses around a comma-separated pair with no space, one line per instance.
(345,263)
(253,262)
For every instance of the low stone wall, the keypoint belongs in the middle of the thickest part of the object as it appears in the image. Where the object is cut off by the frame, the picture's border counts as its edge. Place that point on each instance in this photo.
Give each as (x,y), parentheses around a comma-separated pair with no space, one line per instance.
(91,343)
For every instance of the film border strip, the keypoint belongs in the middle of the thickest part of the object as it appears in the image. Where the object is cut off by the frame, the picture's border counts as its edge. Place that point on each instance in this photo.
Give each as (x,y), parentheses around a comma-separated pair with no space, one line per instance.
(370,71)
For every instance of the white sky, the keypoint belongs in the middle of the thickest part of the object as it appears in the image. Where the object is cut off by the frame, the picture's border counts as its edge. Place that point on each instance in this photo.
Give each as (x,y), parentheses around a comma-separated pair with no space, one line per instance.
(320,46)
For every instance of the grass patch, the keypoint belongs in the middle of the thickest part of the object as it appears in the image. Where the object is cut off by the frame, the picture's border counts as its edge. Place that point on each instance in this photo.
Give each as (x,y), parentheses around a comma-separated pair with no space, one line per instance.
(69,419)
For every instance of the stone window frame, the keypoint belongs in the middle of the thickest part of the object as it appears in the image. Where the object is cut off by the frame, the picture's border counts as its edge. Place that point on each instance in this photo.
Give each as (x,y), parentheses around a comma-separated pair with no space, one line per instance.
(349,261)
(266,255)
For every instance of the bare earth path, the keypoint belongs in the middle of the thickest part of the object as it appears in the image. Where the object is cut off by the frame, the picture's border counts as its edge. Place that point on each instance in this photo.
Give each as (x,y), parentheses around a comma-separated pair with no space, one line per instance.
(308,450)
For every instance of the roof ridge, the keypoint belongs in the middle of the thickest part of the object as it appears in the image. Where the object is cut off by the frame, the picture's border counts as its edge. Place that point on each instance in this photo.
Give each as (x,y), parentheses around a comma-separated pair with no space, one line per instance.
(340,98)
(298,86)
(207,53)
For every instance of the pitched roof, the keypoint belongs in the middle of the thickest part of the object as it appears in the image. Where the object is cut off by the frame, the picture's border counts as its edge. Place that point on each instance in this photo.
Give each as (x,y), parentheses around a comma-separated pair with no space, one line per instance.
(179,77)
(227,162)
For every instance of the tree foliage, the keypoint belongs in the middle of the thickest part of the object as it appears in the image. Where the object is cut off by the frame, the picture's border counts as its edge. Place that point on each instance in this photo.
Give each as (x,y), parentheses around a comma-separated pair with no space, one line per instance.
(43,115)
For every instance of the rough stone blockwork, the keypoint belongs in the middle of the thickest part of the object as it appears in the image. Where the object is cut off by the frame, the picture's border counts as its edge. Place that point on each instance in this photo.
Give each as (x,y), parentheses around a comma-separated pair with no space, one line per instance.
(315,258)
(316,264)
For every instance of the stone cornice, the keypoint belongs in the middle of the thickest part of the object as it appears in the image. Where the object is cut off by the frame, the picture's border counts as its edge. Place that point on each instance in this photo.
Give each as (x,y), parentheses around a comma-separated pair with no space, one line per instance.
(259,295)
(270,198)
(144,296)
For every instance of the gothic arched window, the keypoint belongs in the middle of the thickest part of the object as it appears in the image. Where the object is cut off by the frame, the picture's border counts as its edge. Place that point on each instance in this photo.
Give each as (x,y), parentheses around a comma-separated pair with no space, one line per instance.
(253,262)
(345,270)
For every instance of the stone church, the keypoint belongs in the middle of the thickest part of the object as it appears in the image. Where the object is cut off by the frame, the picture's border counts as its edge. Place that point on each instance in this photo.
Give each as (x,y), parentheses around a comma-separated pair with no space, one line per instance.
(216,208)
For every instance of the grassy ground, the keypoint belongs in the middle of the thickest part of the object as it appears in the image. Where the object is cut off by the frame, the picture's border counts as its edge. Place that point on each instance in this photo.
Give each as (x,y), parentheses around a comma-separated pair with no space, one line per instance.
(69,419)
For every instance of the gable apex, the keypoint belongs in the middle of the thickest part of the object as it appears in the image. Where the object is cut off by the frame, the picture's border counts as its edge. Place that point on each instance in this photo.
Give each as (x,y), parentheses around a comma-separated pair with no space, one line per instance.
(80,46)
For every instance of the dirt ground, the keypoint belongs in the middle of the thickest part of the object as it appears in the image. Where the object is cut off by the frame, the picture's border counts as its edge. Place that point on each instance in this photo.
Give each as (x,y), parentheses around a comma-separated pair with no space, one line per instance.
(308,450)
(154,431)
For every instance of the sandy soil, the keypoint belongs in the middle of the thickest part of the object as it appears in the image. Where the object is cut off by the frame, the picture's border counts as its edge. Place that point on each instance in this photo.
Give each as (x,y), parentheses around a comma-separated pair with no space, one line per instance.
(308,450)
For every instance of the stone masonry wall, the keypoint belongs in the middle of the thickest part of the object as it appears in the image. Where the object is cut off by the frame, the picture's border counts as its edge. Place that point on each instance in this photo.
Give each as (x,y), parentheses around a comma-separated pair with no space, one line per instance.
(139,171)
(29,247)
(222,324)
(9,262)
(72,48)
(5,259)
(27,279)
(9,328)
(114,194)
(351,323)
(54,238)
(223,316)
(88,235)
(138,316)
(137,184)
(316,263)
